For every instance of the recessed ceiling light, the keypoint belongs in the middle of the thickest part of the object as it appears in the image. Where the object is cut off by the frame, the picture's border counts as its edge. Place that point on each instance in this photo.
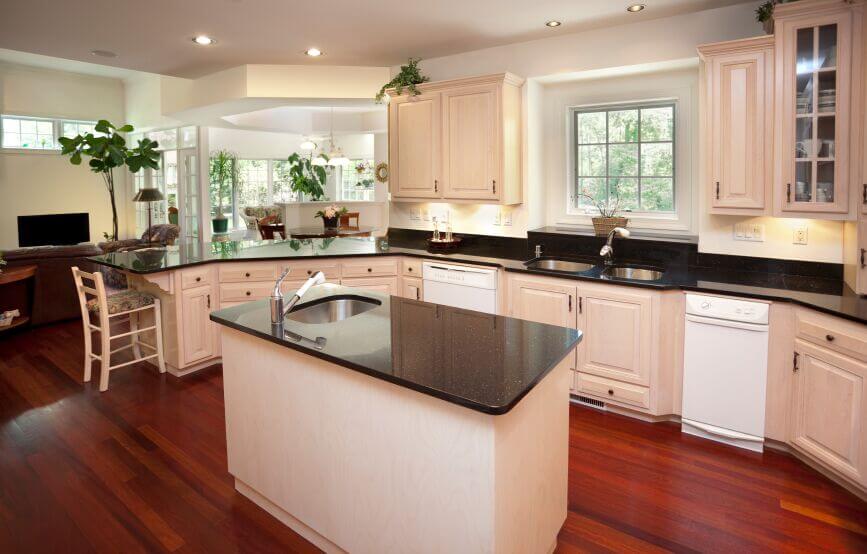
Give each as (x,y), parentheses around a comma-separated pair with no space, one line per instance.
(553,23)
(103,53)
(313,52)
(635,8)
(204,40)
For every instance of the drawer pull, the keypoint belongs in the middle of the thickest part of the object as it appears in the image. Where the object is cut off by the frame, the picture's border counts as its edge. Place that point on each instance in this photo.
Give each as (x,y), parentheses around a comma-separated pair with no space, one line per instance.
(611,391)
(409,269)
(370,270)
(829,338)
(309,272)
(247,274)
(198,279)
(248,293)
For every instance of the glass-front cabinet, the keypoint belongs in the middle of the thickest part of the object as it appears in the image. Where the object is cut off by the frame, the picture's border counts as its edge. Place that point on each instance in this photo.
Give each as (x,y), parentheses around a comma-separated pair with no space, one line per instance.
(818,141)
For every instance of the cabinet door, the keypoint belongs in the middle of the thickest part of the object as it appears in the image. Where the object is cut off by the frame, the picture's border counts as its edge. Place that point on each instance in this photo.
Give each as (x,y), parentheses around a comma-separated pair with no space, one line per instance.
(830,420)
(387,285)
(815,57)
(471,143)
(618,333)
(411,287)
(197,331)
(741,111)
(415,124)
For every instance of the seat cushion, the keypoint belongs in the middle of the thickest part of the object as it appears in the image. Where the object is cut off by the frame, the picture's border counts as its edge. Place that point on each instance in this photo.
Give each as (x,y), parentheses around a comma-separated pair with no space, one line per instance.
(123,301)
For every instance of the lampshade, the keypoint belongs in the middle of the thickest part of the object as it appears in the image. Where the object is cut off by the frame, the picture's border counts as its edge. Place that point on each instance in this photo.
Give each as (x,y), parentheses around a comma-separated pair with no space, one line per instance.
(148,195)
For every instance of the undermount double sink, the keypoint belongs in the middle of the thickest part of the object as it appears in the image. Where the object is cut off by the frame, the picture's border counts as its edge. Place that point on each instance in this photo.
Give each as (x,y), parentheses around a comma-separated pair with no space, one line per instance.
(617,271)
(332,308)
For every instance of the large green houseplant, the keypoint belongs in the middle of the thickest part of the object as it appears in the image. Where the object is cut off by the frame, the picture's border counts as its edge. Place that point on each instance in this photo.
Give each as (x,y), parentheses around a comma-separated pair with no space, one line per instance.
(305,177)
(223,172)
(107,150)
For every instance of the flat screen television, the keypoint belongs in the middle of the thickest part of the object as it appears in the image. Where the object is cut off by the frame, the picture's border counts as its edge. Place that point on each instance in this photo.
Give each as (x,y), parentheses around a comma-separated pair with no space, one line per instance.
(53,229)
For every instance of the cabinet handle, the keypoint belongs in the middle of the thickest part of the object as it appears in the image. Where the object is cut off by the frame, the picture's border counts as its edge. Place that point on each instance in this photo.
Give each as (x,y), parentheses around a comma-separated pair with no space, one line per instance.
(829,338)
(209,301)
(495,186)
(436,185)
(864,195)
(795,362)
(370,270)
(418,293)
(580,305)
(717,190)
(247,274)
(248,293)
(409,269)
(788,193)
(863,254)
(198,279)
(611,392)
(570,303)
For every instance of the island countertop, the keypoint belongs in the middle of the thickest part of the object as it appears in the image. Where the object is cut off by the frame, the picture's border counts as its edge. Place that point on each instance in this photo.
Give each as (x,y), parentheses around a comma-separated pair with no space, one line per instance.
(484,362)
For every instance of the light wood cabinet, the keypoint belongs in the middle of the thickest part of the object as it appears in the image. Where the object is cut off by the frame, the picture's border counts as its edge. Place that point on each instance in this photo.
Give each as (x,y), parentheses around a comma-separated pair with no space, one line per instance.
(818,85)
(618,341)
(196,328)
(386,285)
(458,141)
(829,414)
(411,287)
(738,89)
(415,139)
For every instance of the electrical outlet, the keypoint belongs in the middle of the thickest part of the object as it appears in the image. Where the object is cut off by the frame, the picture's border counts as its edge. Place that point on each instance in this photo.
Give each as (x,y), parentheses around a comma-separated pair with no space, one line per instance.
(507,218)
(799,235)
(752,232)
(414,214)
(498,218)
(425,214)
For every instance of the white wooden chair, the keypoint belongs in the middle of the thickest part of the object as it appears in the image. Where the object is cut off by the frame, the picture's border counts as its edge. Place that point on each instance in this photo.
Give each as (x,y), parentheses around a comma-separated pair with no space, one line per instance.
(130,303)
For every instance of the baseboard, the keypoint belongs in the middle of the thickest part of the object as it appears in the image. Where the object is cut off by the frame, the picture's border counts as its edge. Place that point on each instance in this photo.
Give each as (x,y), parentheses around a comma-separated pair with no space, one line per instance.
(192,368)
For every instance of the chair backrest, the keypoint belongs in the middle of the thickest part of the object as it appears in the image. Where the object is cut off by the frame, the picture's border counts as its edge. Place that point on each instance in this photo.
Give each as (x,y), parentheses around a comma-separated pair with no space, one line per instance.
(86,292)
(346,218)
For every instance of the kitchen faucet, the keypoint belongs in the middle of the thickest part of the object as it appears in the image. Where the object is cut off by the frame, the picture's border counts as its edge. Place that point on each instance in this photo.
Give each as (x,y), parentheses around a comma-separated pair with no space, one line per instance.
(278,311)
(607,251)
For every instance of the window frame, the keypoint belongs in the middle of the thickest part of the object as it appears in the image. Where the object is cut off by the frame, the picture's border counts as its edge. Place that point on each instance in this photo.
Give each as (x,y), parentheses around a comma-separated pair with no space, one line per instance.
(574,206)
(56,130)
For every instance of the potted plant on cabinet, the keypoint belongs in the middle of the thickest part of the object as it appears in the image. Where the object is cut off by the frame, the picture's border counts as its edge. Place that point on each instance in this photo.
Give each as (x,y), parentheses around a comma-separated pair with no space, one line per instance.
(306,177)
(765,14)
(331,215)
(608,217)
(107,151)
(409,76)
(223,173)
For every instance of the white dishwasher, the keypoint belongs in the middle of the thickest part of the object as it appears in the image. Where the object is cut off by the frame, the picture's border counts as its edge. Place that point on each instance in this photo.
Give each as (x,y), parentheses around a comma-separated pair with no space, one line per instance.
(460,286)
(725,367)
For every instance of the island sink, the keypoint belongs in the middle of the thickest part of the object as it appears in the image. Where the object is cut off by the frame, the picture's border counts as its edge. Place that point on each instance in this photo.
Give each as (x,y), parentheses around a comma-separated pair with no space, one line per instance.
(332,309)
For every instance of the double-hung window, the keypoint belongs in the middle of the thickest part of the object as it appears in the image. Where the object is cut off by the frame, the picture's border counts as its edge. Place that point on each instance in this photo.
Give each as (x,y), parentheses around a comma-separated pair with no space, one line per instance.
(624,155)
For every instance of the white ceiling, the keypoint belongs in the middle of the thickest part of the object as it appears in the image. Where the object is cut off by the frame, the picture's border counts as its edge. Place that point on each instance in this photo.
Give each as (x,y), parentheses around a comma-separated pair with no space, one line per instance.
(155,36)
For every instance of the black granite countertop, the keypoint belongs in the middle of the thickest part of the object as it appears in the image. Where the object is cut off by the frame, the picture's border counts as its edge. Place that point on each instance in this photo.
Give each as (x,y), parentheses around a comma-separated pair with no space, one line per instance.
(832,296)
(484,362)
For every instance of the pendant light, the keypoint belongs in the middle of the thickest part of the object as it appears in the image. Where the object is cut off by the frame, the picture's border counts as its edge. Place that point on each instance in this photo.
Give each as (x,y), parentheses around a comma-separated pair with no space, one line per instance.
(335,154)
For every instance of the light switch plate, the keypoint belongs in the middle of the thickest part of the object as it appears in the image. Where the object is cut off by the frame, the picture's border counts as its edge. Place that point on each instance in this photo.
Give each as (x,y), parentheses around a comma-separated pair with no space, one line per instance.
(425,214)
(498,218)
(799,235)
(507,218)
(753,232)
(414,214)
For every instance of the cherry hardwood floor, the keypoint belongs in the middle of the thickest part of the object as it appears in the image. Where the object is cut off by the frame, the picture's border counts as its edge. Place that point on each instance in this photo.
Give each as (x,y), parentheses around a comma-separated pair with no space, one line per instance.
(142,468)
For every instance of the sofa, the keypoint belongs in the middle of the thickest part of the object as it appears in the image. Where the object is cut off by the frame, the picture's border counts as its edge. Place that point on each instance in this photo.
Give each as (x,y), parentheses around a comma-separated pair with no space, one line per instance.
(54,294)
(252,214)
(163,234)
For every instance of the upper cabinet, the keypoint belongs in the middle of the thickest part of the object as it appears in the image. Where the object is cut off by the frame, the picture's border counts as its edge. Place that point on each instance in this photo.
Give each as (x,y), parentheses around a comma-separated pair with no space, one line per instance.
(780,115)
(458,141)
(738,81)
(818,56)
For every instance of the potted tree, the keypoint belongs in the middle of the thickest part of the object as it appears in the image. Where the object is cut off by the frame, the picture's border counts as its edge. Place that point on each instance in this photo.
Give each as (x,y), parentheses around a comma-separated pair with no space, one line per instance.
(223,174)
(108,150)
(305,177)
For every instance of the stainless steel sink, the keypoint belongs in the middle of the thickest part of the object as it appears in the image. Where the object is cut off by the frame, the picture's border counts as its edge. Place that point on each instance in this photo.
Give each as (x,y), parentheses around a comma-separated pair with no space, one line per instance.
(634,273)
(555,264)
(329,310)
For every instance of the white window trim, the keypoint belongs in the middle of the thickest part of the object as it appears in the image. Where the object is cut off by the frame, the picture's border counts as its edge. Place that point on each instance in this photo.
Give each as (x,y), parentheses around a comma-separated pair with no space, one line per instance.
(57,129)
(682,221)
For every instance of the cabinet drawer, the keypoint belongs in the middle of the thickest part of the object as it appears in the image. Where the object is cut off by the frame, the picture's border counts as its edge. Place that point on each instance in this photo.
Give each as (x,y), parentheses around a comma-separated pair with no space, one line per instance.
(235,273)
(610,389)
(411,267)
(301,270)
(386,285)
(245,292)
(835,334)
(368,268)
(195,276)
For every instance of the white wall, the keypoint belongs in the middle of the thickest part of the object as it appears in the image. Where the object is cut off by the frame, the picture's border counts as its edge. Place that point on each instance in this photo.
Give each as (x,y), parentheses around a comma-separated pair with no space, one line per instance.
(44,182)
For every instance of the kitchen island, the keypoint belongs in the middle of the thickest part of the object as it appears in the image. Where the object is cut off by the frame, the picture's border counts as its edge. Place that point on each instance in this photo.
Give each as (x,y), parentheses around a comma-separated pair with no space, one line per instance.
(406,427)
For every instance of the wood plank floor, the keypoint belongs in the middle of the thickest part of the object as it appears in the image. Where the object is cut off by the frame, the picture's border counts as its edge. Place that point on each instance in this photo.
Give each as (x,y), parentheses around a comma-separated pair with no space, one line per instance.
(142,468)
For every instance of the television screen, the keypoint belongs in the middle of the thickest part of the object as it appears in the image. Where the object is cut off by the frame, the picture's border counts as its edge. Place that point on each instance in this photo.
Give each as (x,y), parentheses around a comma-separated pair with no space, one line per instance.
(53,229)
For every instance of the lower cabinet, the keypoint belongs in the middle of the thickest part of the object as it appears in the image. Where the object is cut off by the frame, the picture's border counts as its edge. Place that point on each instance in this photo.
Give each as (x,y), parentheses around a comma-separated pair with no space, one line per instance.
(829,415)
(197,331)
(411,287)
(386,285)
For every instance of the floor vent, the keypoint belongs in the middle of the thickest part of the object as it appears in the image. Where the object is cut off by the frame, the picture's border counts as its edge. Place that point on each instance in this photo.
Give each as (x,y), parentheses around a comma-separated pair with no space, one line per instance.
(585,401)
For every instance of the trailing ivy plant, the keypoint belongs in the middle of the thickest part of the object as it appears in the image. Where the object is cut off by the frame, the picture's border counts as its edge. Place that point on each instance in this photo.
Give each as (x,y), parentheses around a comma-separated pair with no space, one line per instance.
(306,178)
(409,76)
(108,150)
(766,11)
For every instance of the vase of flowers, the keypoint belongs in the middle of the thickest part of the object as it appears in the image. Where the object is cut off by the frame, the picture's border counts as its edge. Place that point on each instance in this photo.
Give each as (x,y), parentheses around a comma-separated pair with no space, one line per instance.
(331,215)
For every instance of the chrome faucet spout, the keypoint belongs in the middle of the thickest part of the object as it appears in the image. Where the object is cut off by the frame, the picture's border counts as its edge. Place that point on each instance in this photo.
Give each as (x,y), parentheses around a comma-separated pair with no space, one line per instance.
(316,279)
(607,251)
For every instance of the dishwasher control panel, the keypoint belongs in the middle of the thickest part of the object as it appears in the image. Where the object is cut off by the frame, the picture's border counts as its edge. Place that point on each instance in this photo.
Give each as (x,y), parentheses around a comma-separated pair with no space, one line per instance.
(731,309)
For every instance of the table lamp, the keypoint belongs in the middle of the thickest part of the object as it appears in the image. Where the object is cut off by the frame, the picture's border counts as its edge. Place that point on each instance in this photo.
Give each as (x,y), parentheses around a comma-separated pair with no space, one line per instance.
(148,195)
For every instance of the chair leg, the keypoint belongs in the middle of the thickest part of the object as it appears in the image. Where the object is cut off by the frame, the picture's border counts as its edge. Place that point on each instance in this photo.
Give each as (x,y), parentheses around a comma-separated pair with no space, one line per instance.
(158,334)
(88,350)
(105,354)
(133,338)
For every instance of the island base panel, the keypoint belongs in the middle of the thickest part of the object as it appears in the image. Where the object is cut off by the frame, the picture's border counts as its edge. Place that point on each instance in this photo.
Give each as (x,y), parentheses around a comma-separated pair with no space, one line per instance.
(370,466)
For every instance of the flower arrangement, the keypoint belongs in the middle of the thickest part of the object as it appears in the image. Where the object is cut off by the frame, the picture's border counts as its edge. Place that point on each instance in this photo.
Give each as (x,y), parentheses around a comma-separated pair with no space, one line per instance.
(330,215)
(361,167)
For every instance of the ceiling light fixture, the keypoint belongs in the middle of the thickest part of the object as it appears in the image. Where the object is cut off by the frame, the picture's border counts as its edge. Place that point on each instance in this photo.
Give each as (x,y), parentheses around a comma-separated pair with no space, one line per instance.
(335,153)
(103,53)
(635,8)
(553,23)
(203,40)
(307,145)
(313,52)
